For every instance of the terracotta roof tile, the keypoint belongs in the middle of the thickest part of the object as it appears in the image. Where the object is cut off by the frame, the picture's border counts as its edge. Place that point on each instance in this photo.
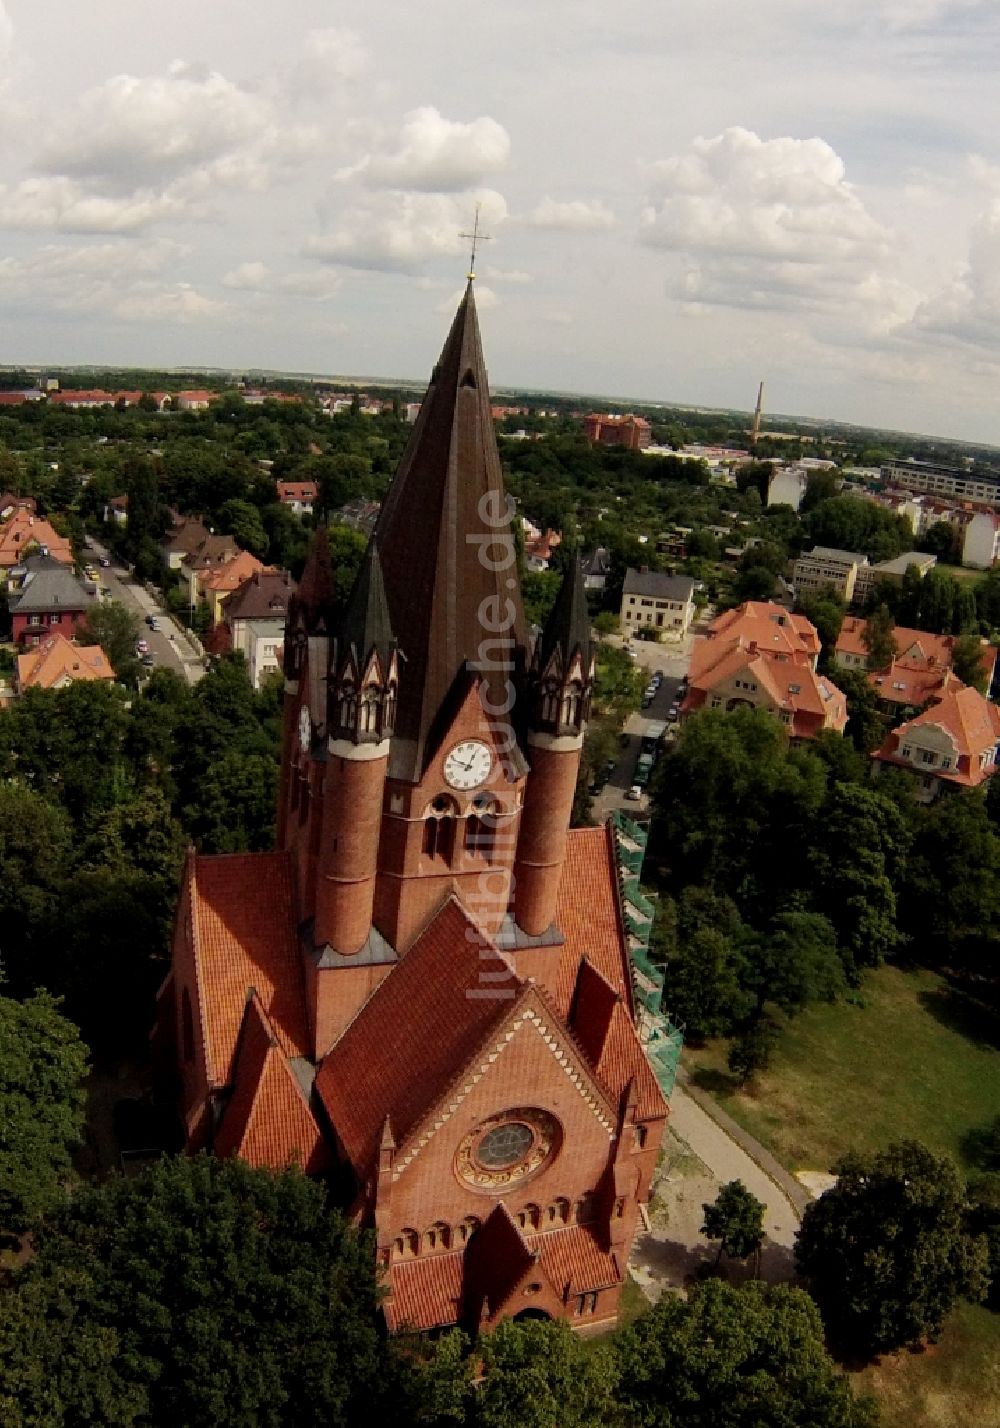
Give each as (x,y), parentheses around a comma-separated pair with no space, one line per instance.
(972,723)
(267,1120)
(243,920)
(233,573)
(574,1257)
(589,915)
(436,992)
(425,1292)
(57,659)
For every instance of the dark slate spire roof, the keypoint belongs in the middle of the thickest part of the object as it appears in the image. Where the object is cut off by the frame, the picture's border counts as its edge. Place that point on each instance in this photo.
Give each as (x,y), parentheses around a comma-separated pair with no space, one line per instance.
(568,626)
(316,595)
(447,499)
(366,624)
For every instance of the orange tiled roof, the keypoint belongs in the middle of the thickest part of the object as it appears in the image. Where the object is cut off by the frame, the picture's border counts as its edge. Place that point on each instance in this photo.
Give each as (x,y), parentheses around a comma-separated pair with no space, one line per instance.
(770,626)
(368,1075)
(297,490)
(425,1292)
(911,645)
(24,530)
(243,923)
(973,725)
(267,1120)
(589,916)
(813,701)
(573,1257)
(901,685)
(230,576)
(58,659)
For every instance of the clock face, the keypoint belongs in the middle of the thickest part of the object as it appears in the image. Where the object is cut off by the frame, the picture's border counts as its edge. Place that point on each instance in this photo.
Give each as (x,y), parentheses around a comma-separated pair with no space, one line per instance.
(305,728)
(468,764)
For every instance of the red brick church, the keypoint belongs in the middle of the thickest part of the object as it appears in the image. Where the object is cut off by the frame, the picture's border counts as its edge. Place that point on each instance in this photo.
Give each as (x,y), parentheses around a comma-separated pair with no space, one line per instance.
(424,992)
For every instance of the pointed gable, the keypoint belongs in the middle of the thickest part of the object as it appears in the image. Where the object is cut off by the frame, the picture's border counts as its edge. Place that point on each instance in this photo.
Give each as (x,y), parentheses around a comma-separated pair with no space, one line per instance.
(437,994)
(445,504)
(267,1120)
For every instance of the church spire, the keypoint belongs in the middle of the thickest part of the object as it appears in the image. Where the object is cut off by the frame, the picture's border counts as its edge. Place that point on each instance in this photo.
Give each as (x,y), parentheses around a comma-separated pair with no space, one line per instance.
(447,551)
(364,668)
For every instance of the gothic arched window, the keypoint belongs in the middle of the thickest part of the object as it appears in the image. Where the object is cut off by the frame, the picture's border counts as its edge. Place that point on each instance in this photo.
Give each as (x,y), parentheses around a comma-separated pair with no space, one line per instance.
(550,701)
(439,829)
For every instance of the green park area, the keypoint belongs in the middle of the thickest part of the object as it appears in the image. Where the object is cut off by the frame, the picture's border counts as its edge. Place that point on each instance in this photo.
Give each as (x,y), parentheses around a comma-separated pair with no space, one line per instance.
(907,1057)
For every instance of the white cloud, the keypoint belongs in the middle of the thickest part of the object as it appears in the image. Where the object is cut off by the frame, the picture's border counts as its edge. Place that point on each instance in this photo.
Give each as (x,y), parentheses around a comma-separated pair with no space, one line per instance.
(399,231)
(513,276)
(125,280)
(64,205)
(967,309)
(257,277)
(431,154)
(576,216)
(770,224)
(330,57)
(6,35)
(901,15)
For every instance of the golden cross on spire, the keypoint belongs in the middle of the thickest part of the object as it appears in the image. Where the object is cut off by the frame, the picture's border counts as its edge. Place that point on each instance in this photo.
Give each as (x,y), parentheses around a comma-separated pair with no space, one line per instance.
(476,237)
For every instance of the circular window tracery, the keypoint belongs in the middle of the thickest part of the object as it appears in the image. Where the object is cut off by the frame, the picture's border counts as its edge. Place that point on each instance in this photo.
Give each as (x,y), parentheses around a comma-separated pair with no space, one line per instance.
(508,1148)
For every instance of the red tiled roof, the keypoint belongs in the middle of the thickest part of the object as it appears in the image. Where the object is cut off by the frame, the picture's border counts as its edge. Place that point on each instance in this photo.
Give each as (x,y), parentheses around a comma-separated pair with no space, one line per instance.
(232,575)
(58,658)
(425,1292)
(973,725)
(370,1074)
(267,1120)
(770,626)
(589,916)
(297,490)
(243,918)
(574,1257)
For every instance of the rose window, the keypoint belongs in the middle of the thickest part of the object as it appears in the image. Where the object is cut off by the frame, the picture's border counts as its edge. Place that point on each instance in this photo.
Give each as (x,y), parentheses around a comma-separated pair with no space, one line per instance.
(508,1148)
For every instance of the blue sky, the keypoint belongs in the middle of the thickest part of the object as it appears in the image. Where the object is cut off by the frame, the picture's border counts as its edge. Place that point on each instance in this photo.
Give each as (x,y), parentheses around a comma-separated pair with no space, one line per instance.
(683,197)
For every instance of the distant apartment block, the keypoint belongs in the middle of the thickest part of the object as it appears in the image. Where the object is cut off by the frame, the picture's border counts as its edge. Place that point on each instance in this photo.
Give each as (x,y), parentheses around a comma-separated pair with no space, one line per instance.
(632,432)
(942,480)
(981,540)
(787,487)
(890,572)
(827,568)
(664,602)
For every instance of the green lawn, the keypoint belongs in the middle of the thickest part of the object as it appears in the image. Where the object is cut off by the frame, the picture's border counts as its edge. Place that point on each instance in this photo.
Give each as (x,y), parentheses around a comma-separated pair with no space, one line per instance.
(913,1059)
(908,1057)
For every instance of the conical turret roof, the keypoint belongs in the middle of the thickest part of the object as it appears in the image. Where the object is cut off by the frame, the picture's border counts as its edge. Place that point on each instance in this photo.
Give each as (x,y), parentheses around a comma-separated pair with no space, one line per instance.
(568,627)
(447,550)
(366,624)
(315,597)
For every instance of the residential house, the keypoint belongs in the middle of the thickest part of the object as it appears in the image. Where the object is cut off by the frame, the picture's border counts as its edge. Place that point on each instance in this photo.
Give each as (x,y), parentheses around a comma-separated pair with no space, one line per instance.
(981,542)
(920,671)
(51,599)
(57,661)
(211,555)
(182,541)
(632,432)
(664,602)
(359,514)
(299,496)
(951,745)
(596,567)
(759,656)
(215,584)
(25,533)
(254,615)
(539,548)
(890,572)
(826,568)
(9,503)
(117,510)
(194,401)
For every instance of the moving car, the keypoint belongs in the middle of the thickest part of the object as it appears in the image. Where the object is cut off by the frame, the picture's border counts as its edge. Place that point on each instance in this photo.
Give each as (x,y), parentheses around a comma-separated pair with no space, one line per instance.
(141,647)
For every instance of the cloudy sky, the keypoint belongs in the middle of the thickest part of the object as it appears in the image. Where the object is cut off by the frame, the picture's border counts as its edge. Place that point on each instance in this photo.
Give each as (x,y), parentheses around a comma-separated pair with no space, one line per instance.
(684,195)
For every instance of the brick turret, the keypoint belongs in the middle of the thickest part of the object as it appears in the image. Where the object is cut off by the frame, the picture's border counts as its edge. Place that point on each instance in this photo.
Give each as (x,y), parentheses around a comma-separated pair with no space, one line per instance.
(560,683)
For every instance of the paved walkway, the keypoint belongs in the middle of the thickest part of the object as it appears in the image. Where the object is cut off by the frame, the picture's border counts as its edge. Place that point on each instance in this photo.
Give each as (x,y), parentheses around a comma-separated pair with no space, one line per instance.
(701,1155)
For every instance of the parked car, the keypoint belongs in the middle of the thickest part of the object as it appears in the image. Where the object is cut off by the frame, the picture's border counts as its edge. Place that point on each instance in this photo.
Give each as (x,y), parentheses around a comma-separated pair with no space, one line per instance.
(147,660)
(149,620)
(141,647)
(154,623)
(105,562)
(634,794)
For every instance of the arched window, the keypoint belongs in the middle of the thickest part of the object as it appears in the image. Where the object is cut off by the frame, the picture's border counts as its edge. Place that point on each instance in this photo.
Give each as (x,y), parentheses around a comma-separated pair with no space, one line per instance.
(530,1217)
(439,829)
(583,1210)
(558,1212)
(187,1025)
(348,705)
(369,712)
(466,1229)
(389,709)
(438,1237)
(550,701)
(406,1244)
(571,704)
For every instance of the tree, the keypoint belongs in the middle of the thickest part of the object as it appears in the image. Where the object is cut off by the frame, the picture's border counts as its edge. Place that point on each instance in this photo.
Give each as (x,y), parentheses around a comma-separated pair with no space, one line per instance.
(540,1375)
(858,864)
(35,847)
(116,630)
(243,522)
(736,1220)
(820,486)
(865,722)
(42,1066)
(751,1051)
(941,539)
(878,638)
(752,1356)
(827,613)
(142,493)
(796,961)
(967,661)
(704,985)
(234,805)
(886,1251)
(951,895)
(203,1293)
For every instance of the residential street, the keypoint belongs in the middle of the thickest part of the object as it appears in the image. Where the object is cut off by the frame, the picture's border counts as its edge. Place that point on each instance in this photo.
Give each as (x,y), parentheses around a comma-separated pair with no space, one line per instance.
(169,646)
